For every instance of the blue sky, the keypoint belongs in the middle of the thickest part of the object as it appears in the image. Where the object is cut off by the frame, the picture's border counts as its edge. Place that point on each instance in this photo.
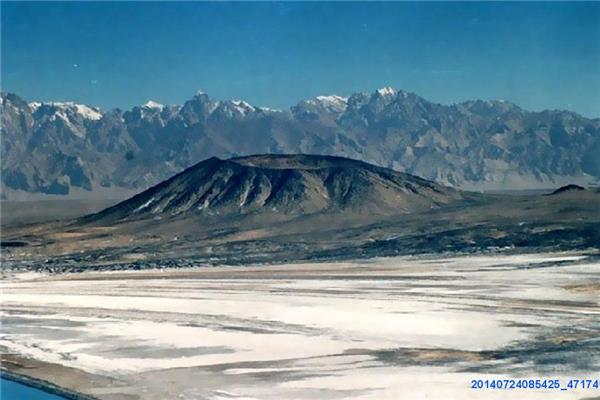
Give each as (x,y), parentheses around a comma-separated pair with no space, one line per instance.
(538,55)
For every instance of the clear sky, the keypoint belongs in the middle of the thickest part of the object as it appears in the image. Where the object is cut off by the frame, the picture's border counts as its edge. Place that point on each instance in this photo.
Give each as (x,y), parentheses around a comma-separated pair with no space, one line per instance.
(538,55)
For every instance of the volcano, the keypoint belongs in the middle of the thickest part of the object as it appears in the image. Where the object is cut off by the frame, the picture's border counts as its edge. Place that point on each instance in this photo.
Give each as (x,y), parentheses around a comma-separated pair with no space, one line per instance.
(282,184)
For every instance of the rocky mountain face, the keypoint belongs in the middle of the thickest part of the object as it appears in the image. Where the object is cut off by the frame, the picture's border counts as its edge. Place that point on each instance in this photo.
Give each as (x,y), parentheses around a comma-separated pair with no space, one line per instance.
(282,184)
(73,149)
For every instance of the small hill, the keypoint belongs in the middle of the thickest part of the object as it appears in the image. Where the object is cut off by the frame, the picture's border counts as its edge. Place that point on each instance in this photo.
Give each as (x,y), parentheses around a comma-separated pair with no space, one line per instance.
(568,188)
(282,184)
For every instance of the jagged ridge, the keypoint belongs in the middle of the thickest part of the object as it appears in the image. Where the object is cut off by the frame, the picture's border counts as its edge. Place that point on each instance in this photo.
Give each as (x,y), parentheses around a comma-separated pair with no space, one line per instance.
(61,148)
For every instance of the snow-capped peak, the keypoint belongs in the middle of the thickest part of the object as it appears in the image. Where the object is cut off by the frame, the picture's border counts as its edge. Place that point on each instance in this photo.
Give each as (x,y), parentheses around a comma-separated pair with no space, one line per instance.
(88,112)
(333,100)
(269,109)
(242,103)
(82,110)
(242,106)
(200,92)
(386,91)
(154,105)
(34,105)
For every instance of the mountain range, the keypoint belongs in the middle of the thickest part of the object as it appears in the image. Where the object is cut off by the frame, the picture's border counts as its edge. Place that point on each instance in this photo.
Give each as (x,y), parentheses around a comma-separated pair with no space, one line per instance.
(64,148)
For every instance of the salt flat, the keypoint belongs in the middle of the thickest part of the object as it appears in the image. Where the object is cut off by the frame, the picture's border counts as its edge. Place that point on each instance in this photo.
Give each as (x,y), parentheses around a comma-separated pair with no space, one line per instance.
(391,328)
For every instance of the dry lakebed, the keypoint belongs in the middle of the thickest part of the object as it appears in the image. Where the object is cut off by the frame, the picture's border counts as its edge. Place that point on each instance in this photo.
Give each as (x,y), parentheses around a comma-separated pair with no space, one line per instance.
(387,328)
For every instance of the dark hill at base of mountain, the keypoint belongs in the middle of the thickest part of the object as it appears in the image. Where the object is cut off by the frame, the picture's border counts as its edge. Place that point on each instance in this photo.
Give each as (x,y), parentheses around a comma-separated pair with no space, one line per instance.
(486,223)
(567,188)
(282,184)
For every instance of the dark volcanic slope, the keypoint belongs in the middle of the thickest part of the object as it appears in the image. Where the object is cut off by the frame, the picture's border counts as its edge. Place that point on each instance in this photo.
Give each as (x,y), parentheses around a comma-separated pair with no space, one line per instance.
(567,188)
(283,184)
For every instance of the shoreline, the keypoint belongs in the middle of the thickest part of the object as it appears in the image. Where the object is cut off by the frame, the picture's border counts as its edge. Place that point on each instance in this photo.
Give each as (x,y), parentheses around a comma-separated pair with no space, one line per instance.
(68,382)
(43,385)
(17,275)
